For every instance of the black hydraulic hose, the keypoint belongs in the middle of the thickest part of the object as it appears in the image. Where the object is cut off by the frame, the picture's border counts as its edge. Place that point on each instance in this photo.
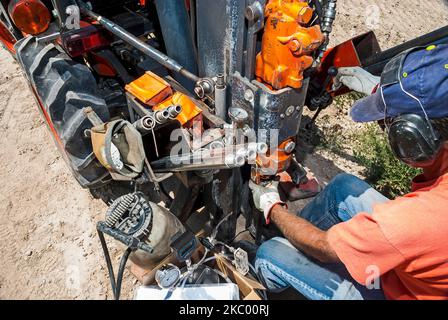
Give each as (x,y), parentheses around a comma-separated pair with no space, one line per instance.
(124,260)
(108,260)
(319,10)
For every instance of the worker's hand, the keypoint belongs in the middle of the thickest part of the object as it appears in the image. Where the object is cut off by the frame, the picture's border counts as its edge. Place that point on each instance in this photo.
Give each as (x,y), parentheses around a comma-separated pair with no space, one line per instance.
(266,197)
(357,79)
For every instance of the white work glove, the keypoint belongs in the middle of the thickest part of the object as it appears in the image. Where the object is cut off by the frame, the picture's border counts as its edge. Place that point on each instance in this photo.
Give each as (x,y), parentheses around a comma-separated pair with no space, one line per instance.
(266,197)
(357,79)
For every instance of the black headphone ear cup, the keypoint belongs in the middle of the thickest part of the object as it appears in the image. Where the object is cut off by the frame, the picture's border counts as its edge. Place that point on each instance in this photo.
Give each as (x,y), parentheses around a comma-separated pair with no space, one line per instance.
(414,141)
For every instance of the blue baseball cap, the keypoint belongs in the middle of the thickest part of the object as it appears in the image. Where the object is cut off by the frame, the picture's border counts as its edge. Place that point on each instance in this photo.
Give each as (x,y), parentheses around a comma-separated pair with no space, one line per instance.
(414,82)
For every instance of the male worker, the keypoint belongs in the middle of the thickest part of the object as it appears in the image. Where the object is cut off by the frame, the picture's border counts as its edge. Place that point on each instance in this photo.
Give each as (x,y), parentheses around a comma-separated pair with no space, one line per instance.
(351,242)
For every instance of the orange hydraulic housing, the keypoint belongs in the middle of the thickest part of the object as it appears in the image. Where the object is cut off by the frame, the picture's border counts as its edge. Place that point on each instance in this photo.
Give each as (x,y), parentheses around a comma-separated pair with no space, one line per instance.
(274,162)
(157,94)
(287,44)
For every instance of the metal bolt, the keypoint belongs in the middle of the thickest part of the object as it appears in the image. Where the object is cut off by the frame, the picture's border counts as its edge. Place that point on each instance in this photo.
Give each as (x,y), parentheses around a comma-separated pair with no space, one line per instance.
(254,11)
(290,111)
(290,146)
(249,95)
(295,46)
(282,116)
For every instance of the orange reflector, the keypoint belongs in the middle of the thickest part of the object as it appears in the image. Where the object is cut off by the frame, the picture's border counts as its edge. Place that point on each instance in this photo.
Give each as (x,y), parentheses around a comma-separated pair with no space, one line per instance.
(30,16)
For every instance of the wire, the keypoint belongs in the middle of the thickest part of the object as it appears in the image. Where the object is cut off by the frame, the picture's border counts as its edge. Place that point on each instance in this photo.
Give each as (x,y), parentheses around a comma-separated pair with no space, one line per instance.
(215,231)
(116,286)
(124,260)
(238,234)
(108,261)
(223,276)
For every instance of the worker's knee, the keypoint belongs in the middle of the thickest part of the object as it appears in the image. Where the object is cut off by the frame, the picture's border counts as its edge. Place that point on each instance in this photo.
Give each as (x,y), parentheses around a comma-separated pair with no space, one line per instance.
(270,261)
(345,179)
(346,184)
(277,251)
(265,251)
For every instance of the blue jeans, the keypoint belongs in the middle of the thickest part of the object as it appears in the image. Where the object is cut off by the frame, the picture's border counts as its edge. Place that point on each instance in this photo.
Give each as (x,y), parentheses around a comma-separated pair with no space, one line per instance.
(282,266)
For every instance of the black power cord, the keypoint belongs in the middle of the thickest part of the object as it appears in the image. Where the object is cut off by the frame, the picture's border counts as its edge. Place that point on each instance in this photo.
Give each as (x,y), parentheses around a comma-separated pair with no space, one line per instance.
(116,285)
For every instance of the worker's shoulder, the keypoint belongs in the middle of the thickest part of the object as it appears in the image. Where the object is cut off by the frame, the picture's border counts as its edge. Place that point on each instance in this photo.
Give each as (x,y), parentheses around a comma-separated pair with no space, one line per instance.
(420,216)
(421,205)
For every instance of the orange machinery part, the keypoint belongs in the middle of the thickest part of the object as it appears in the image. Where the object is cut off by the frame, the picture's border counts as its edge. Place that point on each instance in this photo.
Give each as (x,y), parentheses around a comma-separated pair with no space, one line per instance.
(287,44)
(30,16)
(274,162)
(150,89)
(189,108)
(7,38)
(157,94)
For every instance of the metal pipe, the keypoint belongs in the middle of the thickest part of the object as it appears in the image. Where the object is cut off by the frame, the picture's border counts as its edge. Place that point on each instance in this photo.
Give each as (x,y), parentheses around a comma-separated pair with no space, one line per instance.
(255,15)
(174,111)
(150,122)
(145,48)
(162,116)
(215,159)
(221,97)
(145,125)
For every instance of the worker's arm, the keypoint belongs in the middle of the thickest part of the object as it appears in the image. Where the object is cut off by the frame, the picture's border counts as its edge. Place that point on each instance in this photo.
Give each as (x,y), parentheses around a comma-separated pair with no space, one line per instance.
(303,235)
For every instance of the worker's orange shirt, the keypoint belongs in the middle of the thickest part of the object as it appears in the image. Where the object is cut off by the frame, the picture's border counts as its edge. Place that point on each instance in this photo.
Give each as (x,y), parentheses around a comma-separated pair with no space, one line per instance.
(405,241)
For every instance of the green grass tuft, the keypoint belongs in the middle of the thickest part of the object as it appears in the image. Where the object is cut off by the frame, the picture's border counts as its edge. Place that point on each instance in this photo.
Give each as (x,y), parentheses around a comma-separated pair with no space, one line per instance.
(383,170)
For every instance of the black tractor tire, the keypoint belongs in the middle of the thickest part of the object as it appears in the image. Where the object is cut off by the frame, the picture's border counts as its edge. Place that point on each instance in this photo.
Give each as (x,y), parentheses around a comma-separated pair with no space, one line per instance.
(63,88)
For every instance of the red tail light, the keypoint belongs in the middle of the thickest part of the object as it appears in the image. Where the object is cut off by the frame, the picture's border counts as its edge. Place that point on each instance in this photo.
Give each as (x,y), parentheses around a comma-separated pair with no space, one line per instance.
(84,40)
(30,16)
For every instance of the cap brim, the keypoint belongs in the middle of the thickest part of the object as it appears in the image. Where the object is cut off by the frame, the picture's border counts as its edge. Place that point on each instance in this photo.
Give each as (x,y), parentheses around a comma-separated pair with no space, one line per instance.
(368,109)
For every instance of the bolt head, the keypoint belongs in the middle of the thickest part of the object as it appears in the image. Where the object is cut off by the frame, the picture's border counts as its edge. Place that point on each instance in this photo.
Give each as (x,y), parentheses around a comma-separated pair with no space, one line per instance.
(295,46)
(289,148)
(290,111)
(249,95)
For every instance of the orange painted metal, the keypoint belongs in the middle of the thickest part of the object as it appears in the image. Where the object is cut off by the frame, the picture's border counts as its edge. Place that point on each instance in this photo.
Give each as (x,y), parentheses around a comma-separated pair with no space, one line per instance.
(274,162)
(156,93)
(30,16)
(351,53)
(287,44)
(7,38)
(189,108)
(150,89)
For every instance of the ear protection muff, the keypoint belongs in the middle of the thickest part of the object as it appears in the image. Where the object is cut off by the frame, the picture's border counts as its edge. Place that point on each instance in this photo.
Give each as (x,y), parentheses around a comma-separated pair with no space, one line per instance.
(414,140)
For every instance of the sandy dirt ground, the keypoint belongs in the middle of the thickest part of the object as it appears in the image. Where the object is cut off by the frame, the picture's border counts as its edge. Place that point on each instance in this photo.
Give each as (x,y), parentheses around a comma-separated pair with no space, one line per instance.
(48,244)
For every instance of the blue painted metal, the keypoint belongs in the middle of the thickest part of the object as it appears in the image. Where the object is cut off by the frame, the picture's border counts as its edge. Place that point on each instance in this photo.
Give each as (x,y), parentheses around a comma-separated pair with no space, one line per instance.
(175,23)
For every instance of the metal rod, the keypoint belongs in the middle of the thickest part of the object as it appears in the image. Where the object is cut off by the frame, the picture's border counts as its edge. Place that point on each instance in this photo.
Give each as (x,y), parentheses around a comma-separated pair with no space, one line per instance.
(145,48)
(221,97)
(230,157)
